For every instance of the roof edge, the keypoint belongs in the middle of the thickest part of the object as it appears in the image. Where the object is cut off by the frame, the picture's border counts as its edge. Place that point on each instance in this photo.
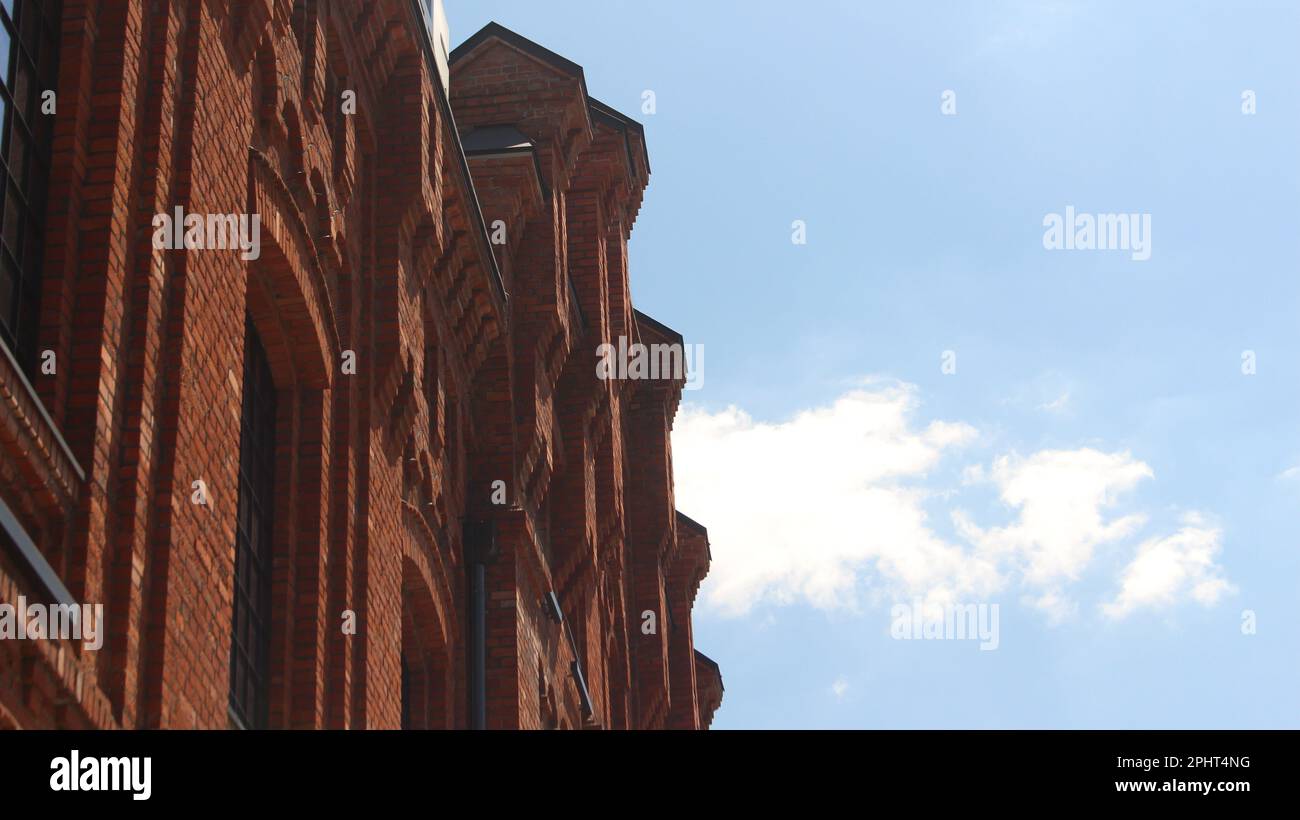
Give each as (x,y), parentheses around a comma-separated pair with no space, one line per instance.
(657,325)
(617,119)
(444,102)
(700,656)
(693,524)
(519,42)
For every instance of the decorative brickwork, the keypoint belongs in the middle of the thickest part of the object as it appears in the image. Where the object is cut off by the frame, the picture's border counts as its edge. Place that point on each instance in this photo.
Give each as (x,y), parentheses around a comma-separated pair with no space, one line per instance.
(436,271)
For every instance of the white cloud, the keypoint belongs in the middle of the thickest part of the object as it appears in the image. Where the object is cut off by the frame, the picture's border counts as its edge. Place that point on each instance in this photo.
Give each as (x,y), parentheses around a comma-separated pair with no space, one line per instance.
(796,511)
(1289,474)
(1171,567)
(1061,496)
(831,503)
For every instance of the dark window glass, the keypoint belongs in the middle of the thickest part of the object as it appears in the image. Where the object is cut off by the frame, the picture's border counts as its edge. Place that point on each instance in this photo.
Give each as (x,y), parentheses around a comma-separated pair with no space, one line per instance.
(300,23)
(31,24)
(20,83)
(251,627)
(28,38)
(8,284)
(17,154)
(13,221)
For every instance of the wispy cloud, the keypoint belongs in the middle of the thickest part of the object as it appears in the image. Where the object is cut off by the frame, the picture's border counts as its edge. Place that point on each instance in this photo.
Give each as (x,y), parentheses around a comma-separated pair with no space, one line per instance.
(840,687)
(1170,568)
(1058,404)
(1061,497)
(1050,391)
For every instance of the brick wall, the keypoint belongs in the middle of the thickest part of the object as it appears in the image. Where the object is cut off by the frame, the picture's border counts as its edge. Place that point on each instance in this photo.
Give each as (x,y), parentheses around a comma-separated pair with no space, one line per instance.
(424,376)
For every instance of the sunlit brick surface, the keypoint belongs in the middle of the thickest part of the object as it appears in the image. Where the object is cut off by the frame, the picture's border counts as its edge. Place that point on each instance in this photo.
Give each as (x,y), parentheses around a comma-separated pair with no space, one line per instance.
(416,364)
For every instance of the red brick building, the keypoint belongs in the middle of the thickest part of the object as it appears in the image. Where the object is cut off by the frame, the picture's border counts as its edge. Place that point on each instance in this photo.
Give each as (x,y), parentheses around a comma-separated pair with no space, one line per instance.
(362,472)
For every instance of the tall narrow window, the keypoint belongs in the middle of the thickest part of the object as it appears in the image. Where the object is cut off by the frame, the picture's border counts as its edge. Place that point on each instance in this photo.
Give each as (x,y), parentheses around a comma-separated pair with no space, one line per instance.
(28,67)
(299,21)
(250,636)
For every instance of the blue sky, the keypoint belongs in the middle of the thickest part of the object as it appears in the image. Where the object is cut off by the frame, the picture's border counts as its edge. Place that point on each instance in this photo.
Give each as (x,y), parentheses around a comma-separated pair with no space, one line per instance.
(1098,465)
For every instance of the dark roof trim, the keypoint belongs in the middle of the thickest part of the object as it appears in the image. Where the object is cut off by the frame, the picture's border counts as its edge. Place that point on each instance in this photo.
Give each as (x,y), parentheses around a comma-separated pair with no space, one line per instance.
(506,142)
(426,39)
(495,29)
(495,139)
(700,657)
(692,523)
(654,324)
(613,118)
(522,44)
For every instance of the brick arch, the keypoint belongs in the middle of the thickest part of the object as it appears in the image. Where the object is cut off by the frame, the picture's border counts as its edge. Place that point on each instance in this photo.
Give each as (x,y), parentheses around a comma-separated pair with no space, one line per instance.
(426,674)
(422,554)
(288,295)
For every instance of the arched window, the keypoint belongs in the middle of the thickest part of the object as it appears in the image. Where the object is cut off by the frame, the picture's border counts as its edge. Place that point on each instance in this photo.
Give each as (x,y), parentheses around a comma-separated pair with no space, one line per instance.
(426,687)
(421,687)
(250,631)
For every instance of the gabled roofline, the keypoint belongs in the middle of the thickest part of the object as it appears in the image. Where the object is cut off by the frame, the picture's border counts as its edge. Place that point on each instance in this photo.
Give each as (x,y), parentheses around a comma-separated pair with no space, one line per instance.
(495,30)
(700,657)
(624,123)
(693,524)
(655,324)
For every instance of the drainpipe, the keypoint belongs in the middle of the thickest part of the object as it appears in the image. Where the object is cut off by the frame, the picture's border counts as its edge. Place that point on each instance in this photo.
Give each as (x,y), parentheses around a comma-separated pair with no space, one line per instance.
(480,550)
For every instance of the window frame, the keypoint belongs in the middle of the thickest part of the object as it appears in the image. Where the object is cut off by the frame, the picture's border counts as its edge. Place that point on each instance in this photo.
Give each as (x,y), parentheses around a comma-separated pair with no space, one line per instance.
(250,631)
(29,50)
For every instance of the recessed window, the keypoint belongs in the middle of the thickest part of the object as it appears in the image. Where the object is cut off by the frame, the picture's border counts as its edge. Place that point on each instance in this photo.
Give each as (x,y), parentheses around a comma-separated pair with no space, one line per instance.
(250,632)
(29,66)
(335,123)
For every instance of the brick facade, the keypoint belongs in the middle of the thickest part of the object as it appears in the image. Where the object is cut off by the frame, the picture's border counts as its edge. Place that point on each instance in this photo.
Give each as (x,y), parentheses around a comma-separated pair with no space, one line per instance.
(437,269)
